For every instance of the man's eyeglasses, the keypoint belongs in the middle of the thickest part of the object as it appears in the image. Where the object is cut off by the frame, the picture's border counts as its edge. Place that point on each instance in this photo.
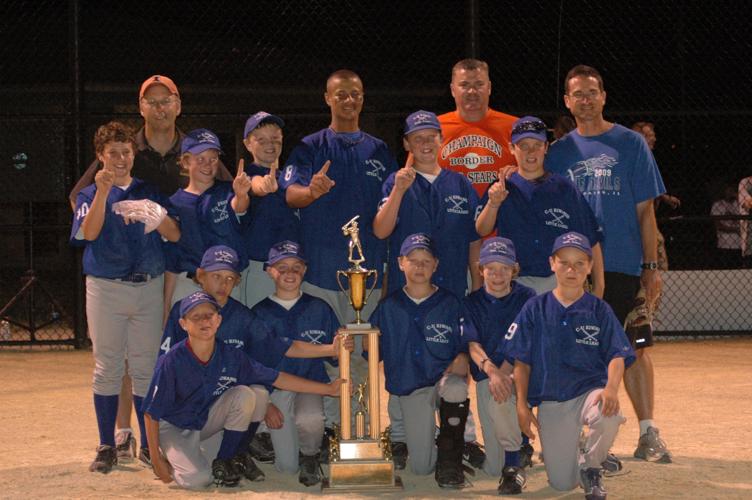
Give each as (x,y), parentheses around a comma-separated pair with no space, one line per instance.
(581,96)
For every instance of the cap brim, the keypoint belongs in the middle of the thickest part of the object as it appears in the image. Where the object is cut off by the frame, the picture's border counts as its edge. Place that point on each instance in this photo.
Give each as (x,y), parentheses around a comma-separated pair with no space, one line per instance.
(422,127)
(497,258)
(541,136)
(200,148)
(220,266)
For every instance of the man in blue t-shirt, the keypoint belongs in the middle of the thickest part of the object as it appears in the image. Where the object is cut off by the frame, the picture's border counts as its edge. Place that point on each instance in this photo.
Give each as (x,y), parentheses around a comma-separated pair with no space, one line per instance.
(616,172)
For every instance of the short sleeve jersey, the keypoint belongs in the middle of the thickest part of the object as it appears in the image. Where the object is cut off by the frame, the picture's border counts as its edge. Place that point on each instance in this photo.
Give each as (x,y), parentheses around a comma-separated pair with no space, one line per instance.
(479,149)
(568,348)
(614,171)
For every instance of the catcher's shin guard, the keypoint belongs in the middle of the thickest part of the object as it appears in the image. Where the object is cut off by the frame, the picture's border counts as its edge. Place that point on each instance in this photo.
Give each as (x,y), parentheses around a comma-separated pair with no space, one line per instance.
(451,442)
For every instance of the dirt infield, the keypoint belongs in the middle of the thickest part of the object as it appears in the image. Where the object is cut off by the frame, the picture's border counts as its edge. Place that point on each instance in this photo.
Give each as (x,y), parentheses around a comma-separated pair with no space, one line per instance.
(704,393)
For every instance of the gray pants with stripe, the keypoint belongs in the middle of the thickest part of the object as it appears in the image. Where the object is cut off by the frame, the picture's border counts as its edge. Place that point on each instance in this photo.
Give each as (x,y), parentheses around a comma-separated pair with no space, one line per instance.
(499,425)
(302,429)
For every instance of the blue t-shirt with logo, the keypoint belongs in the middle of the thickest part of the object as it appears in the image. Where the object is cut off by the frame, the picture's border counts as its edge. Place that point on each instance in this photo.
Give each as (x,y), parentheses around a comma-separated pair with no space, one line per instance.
(614,171)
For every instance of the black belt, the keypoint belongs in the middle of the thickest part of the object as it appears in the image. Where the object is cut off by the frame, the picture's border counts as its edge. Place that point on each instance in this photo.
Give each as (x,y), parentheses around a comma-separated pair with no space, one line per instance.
(136,278)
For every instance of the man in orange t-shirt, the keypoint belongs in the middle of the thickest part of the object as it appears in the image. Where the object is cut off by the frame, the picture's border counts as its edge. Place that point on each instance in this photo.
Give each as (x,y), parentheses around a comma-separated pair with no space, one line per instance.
(476,138)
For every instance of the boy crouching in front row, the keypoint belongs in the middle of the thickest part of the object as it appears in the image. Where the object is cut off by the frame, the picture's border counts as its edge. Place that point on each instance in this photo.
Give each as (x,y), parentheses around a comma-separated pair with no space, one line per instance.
(201,388)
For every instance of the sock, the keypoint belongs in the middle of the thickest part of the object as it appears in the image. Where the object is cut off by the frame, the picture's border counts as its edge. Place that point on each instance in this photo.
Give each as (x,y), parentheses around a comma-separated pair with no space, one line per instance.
(525,439)
(106,409)
(644,424)
(511,458)
(230,442)
(137,402)
(248,437)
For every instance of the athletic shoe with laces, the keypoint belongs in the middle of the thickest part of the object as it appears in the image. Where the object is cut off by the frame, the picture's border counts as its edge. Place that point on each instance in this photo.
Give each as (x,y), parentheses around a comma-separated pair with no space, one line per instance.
(309,470)
(399,455)
(526,455)
(144,456)
(474,454)
(324,450)
(651,445)
(225,473)
(245,465)
(125,445)
(592,482)
(261,448)
(611,465)
(106,459)
(513,479)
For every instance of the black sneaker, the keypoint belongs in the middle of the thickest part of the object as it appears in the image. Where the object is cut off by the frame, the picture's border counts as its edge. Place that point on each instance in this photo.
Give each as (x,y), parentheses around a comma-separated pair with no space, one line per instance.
(245,465)
(526,455)
(399,455)
(144,456)
(474,454)
(309,470)
(324,450)
(261,448)
(592,483)
(225,473)
(513,479)
(106,459)
(125,445)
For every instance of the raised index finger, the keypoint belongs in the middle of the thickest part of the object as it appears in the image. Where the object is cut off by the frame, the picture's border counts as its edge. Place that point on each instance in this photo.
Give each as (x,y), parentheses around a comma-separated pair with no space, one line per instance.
(241,167)
(325,168)
(273,170)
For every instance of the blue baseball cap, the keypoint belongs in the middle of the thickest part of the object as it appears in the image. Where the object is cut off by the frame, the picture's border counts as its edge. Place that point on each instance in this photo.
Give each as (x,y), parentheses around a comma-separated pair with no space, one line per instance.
(219,258)
(417,241)
(261,118)
(572,239)
(498,250)
(529,126)
(283,250)
(199,140)
(421,120)
(195,299)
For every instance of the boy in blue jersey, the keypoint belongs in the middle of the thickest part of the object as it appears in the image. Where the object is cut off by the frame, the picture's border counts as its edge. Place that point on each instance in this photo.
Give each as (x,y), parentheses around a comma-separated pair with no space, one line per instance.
(532,207)
(488,313)
(570,353)
(271,219)
(424,366)
(210,212)
(201,389)
(123,263)
(304,318)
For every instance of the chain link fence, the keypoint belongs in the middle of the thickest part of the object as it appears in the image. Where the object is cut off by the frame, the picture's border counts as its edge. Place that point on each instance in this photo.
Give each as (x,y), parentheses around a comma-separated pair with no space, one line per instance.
(67,67)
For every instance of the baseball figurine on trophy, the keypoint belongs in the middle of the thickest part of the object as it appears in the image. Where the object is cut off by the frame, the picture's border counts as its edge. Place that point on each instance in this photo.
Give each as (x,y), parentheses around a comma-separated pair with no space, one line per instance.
(360,460)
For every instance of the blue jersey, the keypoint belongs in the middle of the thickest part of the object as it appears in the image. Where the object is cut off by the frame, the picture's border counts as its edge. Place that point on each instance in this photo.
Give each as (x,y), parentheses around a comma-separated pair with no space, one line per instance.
(360,163)
(487,320)
(241,328)
(183,389)
(536,212)
(120,249)
(205,220)
(272,220)
(309,320)
(568,348)
(444,209)
(614,171)
(417,341)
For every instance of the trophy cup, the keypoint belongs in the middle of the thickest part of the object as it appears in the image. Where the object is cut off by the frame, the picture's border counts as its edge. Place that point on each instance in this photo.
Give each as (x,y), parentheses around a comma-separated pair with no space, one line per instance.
(361,460)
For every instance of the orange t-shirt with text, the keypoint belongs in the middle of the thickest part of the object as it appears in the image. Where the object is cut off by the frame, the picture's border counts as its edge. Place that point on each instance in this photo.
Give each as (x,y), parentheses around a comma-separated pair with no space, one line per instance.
(479,149)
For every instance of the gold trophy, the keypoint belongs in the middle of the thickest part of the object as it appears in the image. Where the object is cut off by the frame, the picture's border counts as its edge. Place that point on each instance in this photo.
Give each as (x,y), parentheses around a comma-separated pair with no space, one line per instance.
(360,460)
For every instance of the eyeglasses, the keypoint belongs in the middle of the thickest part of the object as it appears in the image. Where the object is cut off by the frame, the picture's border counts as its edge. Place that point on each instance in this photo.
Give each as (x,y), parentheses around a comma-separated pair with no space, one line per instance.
(581,96)
(343,96)
(153,103)
(531,126)
(200,318)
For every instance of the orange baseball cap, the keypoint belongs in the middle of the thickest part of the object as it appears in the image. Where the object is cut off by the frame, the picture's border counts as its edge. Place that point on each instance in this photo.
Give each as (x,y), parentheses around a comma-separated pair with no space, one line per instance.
(159,80)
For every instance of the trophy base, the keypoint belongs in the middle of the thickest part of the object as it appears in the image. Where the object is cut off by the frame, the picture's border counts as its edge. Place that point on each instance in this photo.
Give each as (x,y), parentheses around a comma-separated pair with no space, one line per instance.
(361,475)
(358,326)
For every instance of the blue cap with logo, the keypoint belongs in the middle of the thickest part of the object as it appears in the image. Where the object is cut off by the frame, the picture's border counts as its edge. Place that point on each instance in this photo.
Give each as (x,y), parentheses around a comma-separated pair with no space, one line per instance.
(219,258)
(259,119)
(421,120)
(417,241)
(283,250)
(498,250)
(199,140)
(572,239)
(195,299)
(529,126)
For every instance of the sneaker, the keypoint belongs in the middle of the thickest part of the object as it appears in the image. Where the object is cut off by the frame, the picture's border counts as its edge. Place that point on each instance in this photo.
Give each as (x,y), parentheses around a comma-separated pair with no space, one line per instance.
(144,456)
(324,450)
(513,479)
(245,465)
(474,454)
(309,470)
(106,459)
(399,455)
(261,448)
(225,473)
(651,445)
(526,455)
(611,465)
(592,483)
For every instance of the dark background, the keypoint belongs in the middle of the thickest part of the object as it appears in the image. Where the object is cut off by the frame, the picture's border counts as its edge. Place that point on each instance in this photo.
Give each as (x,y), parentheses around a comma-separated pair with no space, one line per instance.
(66,67)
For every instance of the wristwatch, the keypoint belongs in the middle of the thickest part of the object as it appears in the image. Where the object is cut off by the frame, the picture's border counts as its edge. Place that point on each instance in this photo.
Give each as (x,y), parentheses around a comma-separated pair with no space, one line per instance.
(650,265)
